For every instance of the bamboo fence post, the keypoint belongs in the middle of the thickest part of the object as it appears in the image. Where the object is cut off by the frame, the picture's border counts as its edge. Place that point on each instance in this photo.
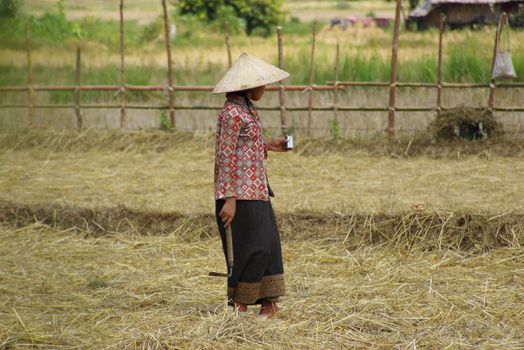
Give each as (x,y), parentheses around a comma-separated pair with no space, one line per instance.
(439,67)
(500,26)
(122,91)
(170,90)
(30,99)
(393,77)
(403,13)
(281,89)
(78,112)
(311,78)
(228,45)
(335,92)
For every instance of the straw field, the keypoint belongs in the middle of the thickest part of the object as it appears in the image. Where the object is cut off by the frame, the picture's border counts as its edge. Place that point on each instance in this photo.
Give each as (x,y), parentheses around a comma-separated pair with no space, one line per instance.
(162,171)
(123,291)
(107,239)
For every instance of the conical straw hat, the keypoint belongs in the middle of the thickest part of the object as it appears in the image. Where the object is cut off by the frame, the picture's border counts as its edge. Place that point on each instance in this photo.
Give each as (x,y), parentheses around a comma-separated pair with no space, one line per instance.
(249,72)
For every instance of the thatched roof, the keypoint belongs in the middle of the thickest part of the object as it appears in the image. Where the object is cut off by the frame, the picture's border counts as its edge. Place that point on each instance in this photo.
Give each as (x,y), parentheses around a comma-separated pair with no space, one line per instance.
(438,2)
(428,5)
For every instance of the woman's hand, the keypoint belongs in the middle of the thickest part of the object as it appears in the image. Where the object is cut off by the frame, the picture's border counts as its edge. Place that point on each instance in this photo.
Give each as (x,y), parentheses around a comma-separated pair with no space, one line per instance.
(278,145)
(228,211)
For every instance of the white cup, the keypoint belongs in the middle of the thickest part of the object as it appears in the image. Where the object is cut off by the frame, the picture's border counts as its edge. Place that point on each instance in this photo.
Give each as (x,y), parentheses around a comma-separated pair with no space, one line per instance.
(289,140)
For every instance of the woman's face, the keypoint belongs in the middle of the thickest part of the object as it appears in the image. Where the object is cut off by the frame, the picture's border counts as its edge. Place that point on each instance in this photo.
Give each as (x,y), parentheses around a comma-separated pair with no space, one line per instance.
(256,94)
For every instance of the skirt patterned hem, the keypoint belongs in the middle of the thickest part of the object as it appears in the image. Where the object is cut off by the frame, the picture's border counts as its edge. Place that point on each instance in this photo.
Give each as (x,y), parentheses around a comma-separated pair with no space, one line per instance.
(270,288)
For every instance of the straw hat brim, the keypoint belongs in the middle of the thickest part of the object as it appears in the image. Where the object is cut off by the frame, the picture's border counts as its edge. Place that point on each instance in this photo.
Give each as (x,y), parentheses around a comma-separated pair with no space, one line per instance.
(249,72)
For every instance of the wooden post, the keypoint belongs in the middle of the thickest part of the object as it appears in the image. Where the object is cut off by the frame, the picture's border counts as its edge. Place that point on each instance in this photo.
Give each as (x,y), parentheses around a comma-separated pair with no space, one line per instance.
(281,90)
(335,92)
(170,90)
(311,78)
(122,70)
(491,98)
(228,46)
(30,101)
(393,77)
(403,13)
(78,112)
(439,66)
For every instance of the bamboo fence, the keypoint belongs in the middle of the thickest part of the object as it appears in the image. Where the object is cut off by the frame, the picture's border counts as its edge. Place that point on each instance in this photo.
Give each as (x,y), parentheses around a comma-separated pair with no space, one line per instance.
(391,108)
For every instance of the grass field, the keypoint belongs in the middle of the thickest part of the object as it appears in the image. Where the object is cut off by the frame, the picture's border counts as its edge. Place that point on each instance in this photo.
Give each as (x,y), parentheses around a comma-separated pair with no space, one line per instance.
(200,58)
(145,12)
(380,252)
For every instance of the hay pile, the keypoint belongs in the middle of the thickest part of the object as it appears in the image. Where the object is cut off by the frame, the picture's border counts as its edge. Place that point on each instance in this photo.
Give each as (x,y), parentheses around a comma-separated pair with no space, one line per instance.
(465,123)
(103,221)
(101,140)
(143,141)
(412,231)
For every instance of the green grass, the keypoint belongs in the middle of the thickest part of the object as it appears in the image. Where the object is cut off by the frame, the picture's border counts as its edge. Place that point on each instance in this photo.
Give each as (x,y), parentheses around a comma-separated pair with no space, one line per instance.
(107,75)
(459,66)
(467,55)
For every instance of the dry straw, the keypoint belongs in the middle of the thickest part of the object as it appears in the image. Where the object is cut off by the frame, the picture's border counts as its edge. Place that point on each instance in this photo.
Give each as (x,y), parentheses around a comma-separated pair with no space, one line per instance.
(249,72)
(104,270)
(417,230)
(62,290)
(422,144)
(466,123)
(166,172)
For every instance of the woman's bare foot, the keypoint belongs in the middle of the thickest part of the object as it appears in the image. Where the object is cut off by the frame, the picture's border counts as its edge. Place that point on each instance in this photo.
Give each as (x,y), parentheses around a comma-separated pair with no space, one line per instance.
(240,307)
(268,308)
(237,306)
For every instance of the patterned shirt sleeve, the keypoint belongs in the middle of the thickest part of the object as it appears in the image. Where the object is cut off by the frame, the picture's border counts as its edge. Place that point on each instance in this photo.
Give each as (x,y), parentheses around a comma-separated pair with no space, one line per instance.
(227,143)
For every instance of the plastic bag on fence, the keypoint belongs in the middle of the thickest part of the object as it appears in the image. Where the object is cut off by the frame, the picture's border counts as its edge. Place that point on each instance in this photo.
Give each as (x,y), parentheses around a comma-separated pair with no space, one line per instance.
(503,68)
(503,65)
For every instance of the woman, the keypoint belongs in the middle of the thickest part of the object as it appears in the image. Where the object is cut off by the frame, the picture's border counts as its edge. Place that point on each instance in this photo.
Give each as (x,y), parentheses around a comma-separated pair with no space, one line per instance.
(242,190)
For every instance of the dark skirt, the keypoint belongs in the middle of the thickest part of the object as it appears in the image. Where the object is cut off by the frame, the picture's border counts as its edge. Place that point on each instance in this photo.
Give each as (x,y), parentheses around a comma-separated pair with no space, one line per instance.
(258,272)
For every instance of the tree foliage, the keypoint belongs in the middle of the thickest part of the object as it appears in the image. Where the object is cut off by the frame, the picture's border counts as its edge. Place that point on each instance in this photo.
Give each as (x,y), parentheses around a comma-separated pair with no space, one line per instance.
(413,4)
(10,8)
(260,16)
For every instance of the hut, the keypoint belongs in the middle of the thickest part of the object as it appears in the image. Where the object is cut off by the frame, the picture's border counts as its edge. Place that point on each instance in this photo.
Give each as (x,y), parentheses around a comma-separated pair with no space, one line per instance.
(382,22)
(461,13)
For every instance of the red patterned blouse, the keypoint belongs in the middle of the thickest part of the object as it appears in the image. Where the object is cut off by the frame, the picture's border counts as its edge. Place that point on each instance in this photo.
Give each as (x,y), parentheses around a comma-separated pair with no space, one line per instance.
(240,152)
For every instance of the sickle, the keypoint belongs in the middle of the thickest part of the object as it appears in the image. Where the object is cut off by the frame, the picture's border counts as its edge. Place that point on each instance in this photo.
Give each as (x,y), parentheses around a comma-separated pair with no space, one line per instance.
(229,257)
